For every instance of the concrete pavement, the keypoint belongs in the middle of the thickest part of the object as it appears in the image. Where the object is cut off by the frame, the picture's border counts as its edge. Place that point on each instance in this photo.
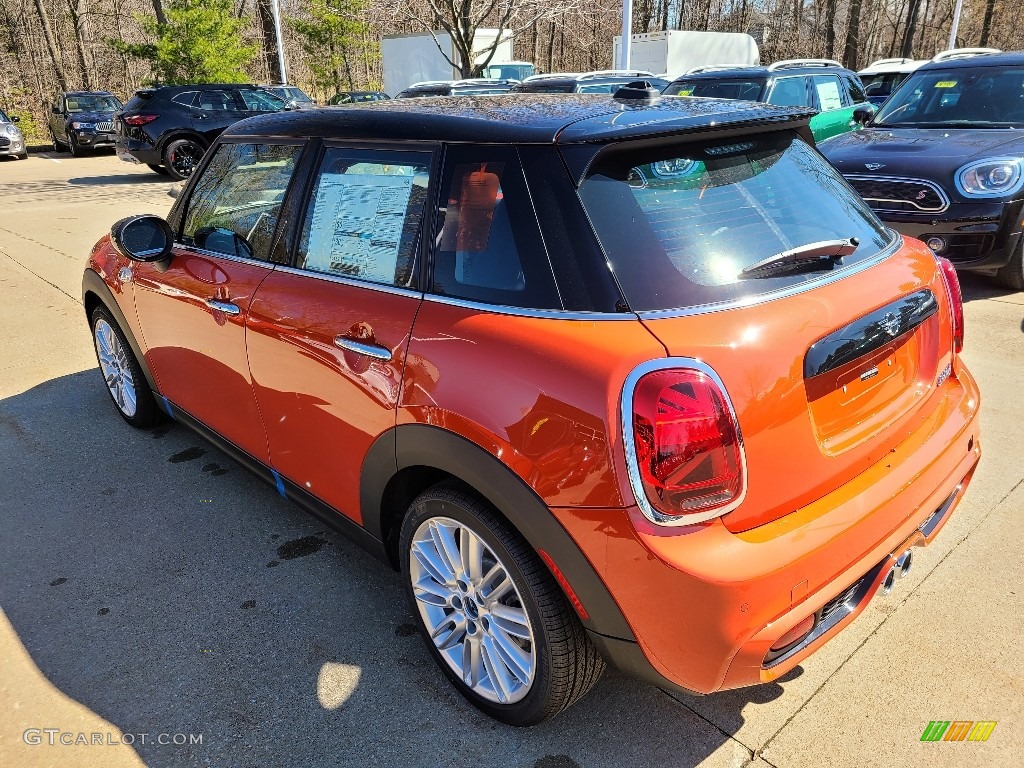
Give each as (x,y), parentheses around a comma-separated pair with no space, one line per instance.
(148,586)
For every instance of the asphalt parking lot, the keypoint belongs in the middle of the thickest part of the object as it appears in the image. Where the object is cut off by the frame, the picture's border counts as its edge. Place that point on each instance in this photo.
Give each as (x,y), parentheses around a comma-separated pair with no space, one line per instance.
(150,587)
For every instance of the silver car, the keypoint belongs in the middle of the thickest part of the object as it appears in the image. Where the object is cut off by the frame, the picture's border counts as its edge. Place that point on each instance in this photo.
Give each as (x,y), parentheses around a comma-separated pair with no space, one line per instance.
(12,142)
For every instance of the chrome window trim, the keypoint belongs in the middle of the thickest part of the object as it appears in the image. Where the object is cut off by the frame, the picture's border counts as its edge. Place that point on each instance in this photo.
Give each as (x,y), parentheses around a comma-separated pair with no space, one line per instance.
(550,314)
(701,309)
(902,180)
(629,444)
(214,254)
(349,281)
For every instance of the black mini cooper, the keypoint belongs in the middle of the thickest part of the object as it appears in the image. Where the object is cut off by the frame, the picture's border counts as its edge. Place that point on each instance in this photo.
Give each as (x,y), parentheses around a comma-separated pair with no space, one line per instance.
(943,161)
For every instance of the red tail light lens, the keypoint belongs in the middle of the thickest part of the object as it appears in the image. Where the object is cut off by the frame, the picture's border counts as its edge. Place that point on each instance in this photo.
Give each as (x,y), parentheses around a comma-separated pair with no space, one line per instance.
(687,444)
(139,119)
(956,301)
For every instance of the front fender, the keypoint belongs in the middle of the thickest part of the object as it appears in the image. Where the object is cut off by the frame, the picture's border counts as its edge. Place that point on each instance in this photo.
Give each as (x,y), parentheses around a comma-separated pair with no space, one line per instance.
(95,291)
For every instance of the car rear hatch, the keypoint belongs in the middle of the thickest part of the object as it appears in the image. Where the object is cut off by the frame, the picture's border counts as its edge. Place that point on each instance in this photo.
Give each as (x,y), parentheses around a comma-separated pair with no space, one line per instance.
(829,361)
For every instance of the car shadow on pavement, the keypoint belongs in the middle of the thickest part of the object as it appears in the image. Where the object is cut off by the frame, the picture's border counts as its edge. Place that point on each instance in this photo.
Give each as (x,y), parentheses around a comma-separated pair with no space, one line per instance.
(171,592)
(144,176)
(975,286)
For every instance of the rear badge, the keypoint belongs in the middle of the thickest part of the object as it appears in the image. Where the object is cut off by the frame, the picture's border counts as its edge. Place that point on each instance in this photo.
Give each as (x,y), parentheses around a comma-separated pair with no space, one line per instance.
(944,375)
(890,323)
(874,166)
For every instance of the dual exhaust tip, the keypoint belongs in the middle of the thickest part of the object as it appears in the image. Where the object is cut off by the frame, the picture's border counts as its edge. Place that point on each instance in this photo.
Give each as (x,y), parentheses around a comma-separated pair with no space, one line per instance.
(898,571)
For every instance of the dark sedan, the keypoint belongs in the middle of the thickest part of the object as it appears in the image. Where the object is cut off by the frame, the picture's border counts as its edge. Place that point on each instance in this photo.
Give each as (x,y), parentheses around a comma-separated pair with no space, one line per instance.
(943,161)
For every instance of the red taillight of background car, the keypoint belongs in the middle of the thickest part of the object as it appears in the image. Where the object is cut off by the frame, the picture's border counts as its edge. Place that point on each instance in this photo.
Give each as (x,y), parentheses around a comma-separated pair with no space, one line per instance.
(688,449)
(139,119)
(956,301)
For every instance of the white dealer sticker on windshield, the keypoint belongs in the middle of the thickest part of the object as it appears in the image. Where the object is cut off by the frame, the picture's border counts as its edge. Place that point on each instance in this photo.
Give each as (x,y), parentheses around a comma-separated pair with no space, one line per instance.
(828,95)
(357,222)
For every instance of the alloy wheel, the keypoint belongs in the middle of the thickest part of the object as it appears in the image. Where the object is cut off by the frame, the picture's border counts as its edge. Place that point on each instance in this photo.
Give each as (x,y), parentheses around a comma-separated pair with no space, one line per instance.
(184,158)
(472,610)
(115,367)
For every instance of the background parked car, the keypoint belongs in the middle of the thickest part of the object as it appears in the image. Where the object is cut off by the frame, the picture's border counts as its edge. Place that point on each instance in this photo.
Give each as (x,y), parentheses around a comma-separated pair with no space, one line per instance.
(469,87)
(821,84)
(943,161)
(169,127)
(603,81)
(292,96)
(356,97)
(881,77)
(12,142)
(83,120)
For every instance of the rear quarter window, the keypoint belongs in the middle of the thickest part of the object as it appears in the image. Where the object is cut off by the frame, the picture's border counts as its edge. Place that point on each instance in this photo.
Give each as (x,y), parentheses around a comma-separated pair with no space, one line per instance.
(679,224)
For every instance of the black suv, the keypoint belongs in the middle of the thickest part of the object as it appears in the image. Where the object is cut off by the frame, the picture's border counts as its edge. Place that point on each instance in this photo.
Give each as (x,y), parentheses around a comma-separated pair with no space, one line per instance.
(83,120)
(943,161)
(821,84)
(605,81)
(169,127)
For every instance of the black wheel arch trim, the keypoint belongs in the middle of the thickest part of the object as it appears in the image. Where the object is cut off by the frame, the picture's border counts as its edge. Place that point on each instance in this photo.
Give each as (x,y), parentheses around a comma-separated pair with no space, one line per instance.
(180,133)
(93,283)
(421,445)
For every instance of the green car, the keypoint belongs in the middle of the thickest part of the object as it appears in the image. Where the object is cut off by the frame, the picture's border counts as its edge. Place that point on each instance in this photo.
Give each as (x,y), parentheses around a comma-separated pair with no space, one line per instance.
(822,84)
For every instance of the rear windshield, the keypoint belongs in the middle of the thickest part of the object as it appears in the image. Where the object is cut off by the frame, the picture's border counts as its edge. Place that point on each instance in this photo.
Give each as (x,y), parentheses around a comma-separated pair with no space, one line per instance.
(748,88)
(679,223)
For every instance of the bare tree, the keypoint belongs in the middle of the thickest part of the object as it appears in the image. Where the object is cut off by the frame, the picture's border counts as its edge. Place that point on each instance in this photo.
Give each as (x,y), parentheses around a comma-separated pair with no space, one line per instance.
(461,19)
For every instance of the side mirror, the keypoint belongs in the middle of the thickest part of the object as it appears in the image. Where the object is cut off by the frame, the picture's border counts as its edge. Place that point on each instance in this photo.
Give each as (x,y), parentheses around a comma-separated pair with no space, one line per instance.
(142,238)
(15,119)
(56,110)
(863,113)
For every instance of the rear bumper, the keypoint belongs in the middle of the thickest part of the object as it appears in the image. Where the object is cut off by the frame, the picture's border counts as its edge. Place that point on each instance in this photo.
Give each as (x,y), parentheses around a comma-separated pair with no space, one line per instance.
(706,605)
(136,151)
(980,236)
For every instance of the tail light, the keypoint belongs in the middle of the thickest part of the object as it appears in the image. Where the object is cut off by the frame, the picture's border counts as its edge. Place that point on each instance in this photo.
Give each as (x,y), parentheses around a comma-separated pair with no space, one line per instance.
(956,301)
(686,446)
(139,119)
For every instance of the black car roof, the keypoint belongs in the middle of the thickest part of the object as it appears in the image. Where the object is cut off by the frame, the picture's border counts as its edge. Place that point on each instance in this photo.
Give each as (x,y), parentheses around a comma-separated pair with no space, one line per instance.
(518,118)
(718,74)
(198,87)
(1013,58)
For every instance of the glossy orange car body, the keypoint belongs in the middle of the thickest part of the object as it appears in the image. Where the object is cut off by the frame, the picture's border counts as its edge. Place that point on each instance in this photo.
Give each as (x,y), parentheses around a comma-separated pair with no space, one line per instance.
(843,475)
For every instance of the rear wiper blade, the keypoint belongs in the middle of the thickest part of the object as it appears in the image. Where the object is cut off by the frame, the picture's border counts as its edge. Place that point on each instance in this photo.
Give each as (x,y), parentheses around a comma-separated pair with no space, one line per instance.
(823,251)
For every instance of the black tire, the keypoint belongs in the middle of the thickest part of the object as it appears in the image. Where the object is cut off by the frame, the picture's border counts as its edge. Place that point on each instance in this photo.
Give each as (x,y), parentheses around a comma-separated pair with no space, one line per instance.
(1012,275)
(74,149)
(56,144)
(158,169)
(145,413)
(567,665)
(181,157)
(23,155)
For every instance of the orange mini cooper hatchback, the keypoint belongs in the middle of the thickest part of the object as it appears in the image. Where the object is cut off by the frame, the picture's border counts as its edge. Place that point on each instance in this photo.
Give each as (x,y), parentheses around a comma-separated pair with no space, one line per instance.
(608,379)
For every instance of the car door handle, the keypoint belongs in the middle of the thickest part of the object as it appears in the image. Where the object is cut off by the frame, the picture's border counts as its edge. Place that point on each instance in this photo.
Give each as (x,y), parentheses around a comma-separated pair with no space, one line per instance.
(375,351)
(223,306)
